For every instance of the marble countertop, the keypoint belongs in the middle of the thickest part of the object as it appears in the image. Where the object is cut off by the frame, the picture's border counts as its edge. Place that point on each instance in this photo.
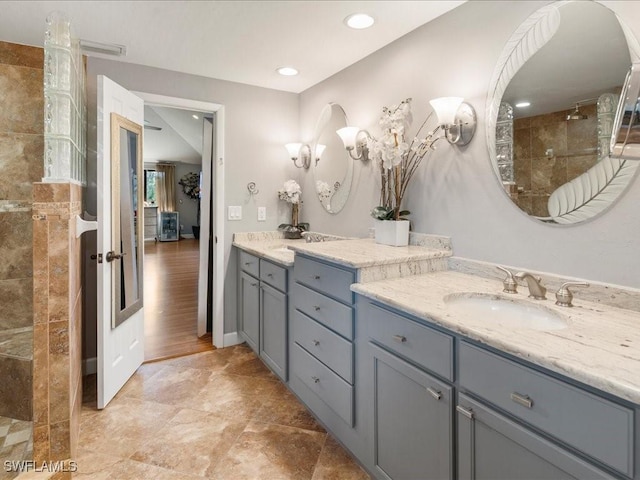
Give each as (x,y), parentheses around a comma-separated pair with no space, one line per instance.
(364,252)
(600,347)
(277,249)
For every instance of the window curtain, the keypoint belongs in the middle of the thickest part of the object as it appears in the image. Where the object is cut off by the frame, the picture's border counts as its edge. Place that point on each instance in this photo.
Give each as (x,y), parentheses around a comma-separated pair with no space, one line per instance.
(166,187)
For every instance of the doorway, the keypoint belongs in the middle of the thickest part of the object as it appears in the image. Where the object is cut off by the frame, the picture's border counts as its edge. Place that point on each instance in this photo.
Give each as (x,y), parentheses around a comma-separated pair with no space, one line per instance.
(183,285)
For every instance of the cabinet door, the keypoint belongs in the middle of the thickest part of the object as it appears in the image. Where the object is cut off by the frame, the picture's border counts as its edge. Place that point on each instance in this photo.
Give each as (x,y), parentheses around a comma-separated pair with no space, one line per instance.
(273,329)
(412,418)
(492,447)
(250,317)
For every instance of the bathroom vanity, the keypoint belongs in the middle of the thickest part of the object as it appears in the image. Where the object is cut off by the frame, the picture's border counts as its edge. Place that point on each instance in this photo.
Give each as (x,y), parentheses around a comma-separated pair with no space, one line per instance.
(416,388)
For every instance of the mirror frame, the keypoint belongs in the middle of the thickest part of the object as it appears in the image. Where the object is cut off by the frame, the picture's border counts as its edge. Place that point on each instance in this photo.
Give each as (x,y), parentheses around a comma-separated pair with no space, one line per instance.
(348,178)
(520,47)
(119,122)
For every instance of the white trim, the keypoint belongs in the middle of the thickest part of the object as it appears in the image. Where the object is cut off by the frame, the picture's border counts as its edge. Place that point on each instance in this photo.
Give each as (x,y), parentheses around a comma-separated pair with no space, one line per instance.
(89,366)
(231,339)
(218,155)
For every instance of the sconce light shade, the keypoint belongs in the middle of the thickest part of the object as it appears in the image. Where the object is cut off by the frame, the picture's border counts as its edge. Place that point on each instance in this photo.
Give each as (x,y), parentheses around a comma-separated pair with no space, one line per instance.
(298,150)
(348,136)
(446,108)
(456,118)
(293,149)
(319,151)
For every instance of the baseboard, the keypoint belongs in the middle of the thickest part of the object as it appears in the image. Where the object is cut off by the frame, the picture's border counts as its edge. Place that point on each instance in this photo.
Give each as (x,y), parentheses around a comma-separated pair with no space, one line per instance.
(231,339)
(89,366)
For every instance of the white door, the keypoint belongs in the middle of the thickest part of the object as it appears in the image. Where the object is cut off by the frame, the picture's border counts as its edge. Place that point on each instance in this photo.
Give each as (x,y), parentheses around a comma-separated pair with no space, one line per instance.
(121,348)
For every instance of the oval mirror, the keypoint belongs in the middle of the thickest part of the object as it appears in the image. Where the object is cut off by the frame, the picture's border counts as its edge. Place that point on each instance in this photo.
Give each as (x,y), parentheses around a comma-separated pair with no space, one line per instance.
(333,169)
(550,111)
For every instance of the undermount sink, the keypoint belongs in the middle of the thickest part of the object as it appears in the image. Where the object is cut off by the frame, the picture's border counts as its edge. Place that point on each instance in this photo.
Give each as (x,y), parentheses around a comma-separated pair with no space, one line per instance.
(506,312)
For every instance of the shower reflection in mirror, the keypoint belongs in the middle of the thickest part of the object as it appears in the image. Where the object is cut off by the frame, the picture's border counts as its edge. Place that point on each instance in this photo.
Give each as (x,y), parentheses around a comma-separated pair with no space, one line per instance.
(127,222)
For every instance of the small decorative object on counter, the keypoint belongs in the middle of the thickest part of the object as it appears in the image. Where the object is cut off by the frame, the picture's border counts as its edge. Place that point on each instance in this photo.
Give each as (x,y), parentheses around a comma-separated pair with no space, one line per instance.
(292,193)
(398,161)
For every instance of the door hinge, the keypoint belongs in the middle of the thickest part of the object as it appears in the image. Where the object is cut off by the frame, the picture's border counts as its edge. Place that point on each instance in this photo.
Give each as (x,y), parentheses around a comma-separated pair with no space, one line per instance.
(97,257)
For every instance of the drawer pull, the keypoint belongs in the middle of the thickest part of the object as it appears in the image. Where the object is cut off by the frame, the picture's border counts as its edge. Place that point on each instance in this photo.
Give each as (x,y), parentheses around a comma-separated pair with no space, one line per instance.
(523,400)
(434,393)
(316,277)
(254,284)
(316,308)
(467,412)
(248,263)
(270,275)
(315,379)
(315,342)
(400,338)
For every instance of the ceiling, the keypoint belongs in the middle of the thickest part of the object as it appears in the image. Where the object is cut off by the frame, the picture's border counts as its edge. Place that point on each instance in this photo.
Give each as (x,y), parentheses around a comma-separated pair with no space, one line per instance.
(239,41)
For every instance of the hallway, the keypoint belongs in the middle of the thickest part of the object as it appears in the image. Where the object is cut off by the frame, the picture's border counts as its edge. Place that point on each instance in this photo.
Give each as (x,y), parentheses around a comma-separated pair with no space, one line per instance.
(220,414)
(171,300)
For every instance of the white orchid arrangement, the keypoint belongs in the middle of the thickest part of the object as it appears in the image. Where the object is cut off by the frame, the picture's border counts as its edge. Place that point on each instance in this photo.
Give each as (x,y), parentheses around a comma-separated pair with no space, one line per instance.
(291,192)
(398,159)
(323,189)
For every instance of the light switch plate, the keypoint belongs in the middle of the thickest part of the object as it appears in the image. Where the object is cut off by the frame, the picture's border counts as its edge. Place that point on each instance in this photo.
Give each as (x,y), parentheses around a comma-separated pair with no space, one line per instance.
(262,214)
(234,213)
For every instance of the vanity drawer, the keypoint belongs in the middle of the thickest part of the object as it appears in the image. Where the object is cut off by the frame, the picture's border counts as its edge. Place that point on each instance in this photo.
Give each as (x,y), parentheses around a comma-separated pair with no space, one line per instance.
(331,313)
(587,422)
(329,387)
(326,279)
(425,346)
(331,349)
(274,275)
(249,263)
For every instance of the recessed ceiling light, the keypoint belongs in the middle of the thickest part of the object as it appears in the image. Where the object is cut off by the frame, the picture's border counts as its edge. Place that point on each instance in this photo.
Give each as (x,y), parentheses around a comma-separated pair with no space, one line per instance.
(359,21)
(523,104)
(287,71)
(195,116)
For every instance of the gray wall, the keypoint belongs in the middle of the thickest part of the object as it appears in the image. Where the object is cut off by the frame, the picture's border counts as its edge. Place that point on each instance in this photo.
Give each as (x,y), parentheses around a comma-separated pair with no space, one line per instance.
(456,193)
(258,122)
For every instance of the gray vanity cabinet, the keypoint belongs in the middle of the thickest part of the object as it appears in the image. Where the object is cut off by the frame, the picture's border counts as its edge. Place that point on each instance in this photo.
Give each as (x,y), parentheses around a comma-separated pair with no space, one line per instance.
(409,410)
(493,447)
(263,310)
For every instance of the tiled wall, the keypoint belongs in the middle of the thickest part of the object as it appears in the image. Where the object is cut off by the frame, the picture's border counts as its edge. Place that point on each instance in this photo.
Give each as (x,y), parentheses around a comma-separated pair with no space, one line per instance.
(58,319)
(537,174)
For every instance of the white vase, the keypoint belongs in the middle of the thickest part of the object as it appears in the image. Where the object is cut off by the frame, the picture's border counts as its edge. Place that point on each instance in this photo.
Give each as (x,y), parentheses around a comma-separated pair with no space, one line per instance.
(392,232)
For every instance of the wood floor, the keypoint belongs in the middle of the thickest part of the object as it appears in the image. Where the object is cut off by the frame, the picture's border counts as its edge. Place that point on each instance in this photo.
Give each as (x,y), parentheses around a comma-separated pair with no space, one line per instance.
(171,300)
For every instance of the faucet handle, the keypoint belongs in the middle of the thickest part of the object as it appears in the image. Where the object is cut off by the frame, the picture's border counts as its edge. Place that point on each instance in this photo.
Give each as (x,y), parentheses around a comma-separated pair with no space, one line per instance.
(564,295)
(509,283)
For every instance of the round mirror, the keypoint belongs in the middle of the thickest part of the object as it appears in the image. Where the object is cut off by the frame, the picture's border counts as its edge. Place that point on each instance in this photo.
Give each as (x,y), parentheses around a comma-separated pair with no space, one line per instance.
(333,168)
(550,111)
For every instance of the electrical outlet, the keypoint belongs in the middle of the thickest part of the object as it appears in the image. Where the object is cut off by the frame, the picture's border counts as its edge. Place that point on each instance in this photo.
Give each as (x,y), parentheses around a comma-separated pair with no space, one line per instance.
(234,213)
(262,214)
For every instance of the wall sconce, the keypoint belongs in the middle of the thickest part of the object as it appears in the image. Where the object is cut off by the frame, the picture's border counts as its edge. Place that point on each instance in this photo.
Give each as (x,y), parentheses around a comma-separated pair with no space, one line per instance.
(351,137)
(456,117)
(298,150)
(319,151)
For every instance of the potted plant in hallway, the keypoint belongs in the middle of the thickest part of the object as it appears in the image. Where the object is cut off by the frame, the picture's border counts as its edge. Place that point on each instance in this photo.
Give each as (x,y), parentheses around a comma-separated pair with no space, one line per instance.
(292,193)
(190,184)
(398,161)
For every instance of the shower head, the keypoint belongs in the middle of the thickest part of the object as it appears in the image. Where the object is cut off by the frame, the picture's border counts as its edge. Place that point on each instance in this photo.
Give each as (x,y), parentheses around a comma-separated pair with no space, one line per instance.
(576,115)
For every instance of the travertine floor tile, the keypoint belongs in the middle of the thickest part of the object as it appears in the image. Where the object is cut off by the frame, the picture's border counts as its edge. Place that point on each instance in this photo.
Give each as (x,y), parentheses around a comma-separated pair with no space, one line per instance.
(271,452)
(336,464)
(285,409)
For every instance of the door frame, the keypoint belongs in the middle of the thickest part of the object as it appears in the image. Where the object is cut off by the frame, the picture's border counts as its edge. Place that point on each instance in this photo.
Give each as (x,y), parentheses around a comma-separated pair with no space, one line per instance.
(217,173)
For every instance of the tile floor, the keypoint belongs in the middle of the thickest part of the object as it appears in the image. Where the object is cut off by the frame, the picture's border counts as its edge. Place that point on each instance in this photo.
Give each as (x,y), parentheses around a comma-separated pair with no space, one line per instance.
(16,443)
(219,415)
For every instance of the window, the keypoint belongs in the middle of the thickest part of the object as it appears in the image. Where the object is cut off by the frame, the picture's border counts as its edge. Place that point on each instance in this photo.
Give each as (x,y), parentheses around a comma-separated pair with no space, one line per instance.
(150,187)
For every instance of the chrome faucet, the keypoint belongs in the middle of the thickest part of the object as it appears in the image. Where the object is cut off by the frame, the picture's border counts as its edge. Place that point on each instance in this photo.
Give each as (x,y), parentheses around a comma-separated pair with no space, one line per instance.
(536,290)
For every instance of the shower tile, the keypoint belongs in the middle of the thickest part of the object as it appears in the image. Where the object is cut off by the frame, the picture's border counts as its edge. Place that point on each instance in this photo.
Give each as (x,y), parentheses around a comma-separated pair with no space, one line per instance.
(59,401)
(17,392)
(271,451)
(41,374)
(60,444)
(40,271)
(16,298)
(553,135)
(22,99)
(51,192)
(21,164)
(21,55)
(59,308)
(16,234)
(580,164)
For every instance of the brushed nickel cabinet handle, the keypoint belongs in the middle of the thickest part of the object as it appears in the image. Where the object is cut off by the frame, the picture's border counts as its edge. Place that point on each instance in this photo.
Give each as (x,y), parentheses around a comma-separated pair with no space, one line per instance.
(316,277)
(315,379)
(254,284)
(270,275)
(316,308)
(315,342)
(523,400)
(467,412)
(434,393)
(400,338)
(248,263)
